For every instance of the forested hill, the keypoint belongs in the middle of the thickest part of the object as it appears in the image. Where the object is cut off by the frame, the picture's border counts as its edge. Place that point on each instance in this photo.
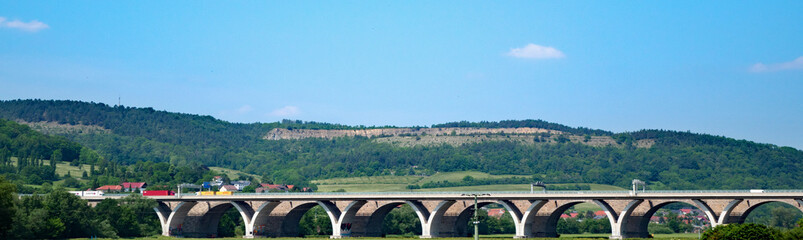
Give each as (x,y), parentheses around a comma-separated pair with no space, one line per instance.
(20,141)
(666,159)
(31,148)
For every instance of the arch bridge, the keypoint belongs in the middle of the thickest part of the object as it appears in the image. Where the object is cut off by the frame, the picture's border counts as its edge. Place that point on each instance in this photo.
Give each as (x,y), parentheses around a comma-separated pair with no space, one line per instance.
(447,214)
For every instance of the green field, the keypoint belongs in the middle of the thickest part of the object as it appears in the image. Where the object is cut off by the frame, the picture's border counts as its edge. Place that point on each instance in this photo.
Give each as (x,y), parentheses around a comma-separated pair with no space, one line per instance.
(231,173)
(62,168)
(458,176)
(371,179)
(399,183)
(441,176)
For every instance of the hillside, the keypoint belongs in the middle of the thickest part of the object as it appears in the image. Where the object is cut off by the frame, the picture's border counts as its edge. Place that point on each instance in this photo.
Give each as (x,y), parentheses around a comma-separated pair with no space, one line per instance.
(30,148)
(34,161)
(296,151)
(402,183)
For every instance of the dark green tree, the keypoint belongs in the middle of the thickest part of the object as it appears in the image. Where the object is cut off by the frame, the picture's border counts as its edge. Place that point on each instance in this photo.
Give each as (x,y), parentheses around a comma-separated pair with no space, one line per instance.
(73,212)
(747,231)
(8,209)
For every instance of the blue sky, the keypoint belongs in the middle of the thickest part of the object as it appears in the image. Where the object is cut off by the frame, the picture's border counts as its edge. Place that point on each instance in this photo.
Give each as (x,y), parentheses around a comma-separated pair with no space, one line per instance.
(732,69)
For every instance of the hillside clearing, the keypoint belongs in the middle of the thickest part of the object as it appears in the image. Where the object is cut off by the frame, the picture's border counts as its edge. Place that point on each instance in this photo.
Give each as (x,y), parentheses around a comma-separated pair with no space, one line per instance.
(62,168)
(231,173)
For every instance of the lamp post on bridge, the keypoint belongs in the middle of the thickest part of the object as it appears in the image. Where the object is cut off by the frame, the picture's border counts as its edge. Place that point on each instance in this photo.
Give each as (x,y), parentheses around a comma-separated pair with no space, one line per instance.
(476,219)
(186,185)
(637,182)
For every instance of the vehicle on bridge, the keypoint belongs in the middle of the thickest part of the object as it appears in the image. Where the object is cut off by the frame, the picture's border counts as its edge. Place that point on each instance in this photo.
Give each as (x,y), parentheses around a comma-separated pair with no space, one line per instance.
(158,193)
(87,193)
(213,193)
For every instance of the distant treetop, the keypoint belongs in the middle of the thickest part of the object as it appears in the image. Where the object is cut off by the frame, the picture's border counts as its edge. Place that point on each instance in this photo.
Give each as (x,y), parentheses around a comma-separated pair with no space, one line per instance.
(526,123)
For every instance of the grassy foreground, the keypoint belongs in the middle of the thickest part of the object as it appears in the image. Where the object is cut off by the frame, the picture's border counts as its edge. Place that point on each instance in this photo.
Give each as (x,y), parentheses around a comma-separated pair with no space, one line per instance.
(500,236)
(679,236)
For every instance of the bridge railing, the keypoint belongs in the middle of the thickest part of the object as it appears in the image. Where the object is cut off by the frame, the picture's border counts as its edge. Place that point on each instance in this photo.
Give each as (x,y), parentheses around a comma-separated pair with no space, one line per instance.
(522,192)
(482,192)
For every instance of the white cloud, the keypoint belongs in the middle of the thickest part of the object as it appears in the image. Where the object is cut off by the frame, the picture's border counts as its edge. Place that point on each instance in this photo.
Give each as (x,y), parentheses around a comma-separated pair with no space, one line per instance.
(286,111)
(32,26)
(796,64)
(244,109)
(534,51)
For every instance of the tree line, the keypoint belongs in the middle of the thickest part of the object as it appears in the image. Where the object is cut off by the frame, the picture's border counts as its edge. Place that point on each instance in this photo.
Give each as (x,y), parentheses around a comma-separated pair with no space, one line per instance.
(60,215)
(531,123)
(471,181)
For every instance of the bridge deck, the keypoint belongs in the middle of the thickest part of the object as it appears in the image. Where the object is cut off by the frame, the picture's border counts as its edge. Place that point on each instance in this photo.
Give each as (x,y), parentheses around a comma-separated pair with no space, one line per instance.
(723,194)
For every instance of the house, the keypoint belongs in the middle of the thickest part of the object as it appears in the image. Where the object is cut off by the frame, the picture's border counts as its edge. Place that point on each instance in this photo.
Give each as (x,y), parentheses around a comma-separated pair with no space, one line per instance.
(564,216)
(134,186)
(217,181)
(600,214)
(266,187)
(496,212)
(228,188)
(685,211)
(241,184)
(110,188)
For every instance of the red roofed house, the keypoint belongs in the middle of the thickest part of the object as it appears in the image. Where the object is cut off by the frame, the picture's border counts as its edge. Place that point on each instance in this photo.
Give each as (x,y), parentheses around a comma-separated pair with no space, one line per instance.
(496,212)
(685,210)
(267,187)
(133,186)
(600,213)
(228,188)
(110,188)
(564,216)
(573,215)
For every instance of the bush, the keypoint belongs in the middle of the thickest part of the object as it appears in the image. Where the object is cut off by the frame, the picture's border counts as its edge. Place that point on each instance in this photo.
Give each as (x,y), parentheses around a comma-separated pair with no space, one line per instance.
(747,231)
(71,182)
(659,229)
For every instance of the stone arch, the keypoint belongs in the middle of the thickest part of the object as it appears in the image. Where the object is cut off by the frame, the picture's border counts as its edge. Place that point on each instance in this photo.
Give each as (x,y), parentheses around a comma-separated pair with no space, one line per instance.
(466,211)
(542,219)
(200,219)
(292,220)
(163,211)
(368,219)
(208,222)
(749,205)
(432,226)
(345,218)
(282,219)
(542,216)
(642,213)
(175,221)
(262,217)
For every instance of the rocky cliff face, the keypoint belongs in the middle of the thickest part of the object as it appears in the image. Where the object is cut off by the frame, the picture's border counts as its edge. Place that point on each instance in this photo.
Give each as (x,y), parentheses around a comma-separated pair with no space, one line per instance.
(407,137)
(281,133)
